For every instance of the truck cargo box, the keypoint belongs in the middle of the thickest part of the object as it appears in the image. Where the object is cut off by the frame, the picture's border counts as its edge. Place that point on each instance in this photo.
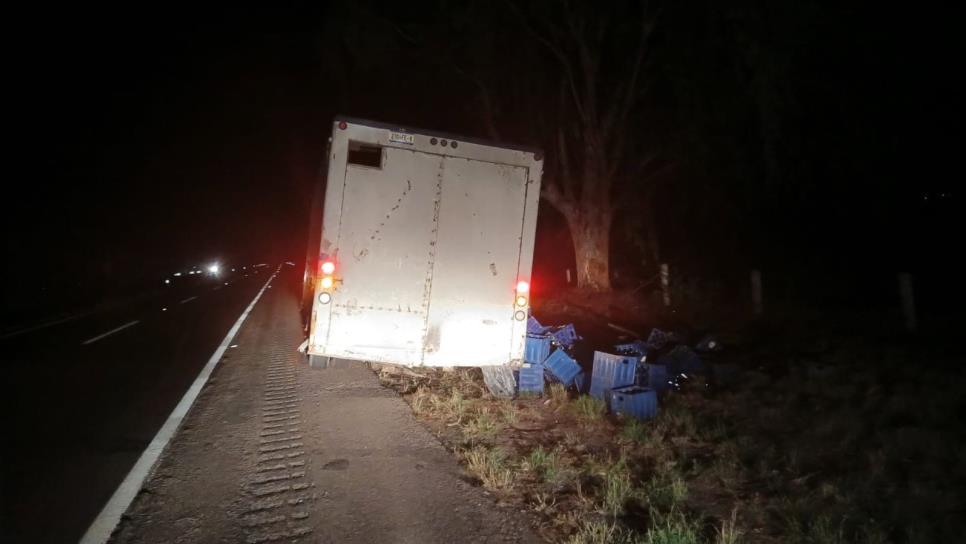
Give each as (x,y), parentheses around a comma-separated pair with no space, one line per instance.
(426,248)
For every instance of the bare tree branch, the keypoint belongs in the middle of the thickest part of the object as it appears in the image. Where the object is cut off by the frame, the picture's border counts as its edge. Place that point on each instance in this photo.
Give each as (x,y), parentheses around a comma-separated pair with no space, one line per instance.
(556,51)
(483,93)
(616,118)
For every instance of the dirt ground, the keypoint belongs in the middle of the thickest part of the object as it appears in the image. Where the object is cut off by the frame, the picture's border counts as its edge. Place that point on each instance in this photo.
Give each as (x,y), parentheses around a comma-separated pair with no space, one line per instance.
(276,451)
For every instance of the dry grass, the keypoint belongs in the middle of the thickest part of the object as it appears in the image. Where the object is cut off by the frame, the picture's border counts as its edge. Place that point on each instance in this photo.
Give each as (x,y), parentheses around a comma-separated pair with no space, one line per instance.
(508,411)
(491,467)
(558,394)
(667,491)
(546,465)
(483,425)
(673,528)
(729,532)
(601,532)
(635,431)
(588,409)
(800,463)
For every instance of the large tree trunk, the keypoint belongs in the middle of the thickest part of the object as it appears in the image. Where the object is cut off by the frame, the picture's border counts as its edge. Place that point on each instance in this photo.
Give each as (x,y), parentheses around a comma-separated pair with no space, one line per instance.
(591,235)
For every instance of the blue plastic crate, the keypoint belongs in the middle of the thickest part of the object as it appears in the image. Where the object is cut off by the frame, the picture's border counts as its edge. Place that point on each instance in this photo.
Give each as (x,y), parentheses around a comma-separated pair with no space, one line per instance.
(530,379)
(656,377)
(534,326)
(611,371)
(637,347)
(537,349)
(562,367)
(565,336)
(657,339)
(634,401)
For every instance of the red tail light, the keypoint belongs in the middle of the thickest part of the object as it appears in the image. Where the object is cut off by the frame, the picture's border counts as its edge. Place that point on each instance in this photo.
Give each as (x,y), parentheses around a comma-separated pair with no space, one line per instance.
(523,287)
(328,267)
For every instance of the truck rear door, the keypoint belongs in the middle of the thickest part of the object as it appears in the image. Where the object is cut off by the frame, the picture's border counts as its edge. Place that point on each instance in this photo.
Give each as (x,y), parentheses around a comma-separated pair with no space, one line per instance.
(476,263)
(386,242)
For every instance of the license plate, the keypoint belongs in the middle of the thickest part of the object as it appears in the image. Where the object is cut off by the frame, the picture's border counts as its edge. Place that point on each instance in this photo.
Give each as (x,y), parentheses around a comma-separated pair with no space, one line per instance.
(401,138)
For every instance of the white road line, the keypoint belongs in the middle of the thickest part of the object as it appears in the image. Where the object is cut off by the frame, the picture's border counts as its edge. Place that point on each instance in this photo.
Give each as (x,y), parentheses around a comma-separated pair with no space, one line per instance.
(110,332)
(102,527)
(189,299)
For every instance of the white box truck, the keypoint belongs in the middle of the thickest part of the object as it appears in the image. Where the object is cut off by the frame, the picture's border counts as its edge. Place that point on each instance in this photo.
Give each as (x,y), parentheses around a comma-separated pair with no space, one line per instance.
(425,250)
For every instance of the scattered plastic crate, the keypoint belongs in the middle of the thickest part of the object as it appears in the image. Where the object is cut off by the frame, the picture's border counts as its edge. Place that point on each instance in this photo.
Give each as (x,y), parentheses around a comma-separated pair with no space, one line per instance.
(656,377)
(565,336)
(562,367)
(534,327)
(537,349)
(531,378)
(657,339)
(637,347)
(681,359)
(611,371)
(634,401)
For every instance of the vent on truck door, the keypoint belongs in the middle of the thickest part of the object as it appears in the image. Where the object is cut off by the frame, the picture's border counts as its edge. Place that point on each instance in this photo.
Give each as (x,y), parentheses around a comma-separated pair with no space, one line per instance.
(362,154)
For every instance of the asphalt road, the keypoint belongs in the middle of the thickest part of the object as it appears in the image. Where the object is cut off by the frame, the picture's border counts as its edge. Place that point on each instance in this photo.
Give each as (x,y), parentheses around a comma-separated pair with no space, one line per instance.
(276,451)
(83,398)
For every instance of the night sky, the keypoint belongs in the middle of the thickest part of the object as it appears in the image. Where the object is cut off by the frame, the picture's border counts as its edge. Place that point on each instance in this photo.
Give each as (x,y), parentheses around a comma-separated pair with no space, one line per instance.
(165,140)
(149,141)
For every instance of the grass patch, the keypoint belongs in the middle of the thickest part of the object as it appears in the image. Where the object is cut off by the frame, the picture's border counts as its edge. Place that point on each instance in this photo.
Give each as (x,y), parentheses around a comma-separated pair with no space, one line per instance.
(667,492)
(545,464)
(674,528)
(600,532)
(616,487)
(588,409)
(420,400)
(558,394)
(729,533)
(452,408)
(509,412)
(675,418)
(483,426)
(491,467)
(635,431)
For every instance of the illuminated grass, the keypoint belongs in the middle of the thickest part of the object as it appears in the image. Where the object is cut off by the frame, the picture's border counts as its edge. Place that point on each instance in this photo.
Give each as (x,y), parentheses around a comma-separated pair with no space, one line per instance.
(558,394)
(483,426)
(589,409)
(674,528)
(491,467)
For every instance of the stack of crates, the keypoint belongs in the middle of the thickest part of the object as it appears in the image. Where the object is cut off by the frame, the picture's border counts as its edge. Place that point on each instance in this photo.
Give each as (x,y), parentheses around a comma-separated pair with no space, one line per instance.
(536,349)
(535,352)
(565,336)
(562,367)
(531,379)
(611,371)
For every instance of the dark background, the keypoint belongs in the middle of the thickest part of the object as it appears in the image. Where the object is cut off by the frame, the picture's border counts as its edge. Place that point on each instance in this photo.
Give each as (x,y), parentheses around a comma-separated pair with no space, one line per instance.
(813,140)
